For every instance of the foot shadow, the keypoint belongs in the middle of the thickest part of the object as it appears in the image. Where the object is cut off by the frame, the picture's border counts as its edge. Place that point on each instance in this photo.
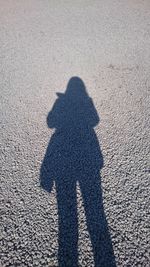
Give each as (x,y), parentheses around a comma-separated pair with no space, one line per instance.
(73,155)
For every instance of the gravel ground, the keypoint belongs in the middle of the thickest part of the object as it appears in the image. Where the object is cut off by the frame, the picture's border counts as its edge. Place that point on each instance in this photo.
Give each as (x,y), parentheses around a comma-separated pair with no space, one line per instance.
(94,143)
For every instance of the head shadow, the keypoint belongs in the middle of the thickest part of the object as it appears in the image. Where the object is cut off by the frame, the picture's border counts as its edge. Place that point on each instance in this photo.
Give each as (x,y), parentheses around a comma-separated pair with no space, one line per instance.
(74,155)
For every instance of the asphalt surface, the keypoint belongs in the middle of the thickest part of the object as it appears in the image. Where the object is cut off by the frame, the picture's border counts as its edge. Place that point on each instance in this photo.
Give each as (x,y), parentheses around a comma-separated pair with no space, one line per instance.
(75,84)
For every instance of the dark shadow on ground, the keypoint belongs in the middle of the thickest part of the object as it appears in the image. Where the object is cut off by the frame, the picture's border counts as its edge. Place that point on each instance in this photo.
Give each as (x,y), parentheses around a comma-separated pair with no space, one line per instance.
(74,154)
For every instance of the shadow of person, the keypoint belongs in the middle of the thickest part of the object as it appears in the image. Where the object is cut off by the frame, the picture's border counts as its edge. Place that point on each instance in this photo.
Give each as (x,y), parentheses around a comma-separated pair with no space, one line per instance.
(73,155)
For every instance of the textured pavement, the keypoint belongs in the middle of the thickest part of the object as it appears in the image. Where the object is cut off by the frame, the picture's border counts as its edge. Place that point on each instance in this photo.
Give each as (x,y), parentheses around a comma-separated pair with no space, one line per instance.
(75,153)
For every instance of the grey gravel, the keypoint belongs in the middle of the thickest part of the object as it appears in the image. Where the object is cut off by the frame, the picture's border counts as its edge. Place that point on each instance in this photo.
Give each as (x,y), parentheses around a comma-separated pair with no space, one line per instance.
(43,44)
